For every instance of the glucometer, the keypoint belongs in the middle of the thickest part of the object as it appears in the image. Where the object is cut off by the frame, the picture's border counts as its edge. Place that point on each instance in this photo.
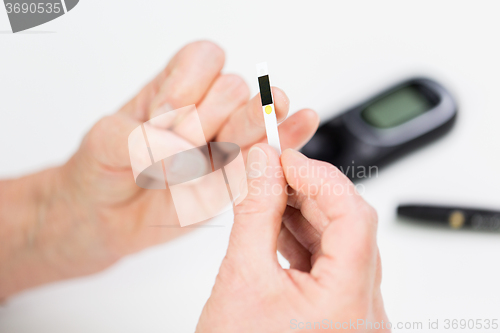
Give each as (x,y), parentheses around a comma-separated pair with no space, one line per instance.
(268,110)
(385,127)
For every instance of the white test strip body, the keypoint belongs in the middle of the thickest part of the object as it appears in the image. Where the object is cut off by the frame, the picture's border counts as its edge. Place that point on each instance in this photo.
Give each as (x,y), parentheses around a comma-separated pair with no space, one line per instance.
(268,109)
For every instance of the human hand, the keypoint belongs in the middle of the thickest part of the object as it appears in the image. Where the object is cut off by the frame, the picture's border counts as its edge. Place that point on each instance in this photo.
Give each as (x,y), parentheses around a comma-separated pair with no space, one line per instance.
(328,234)
(89,213)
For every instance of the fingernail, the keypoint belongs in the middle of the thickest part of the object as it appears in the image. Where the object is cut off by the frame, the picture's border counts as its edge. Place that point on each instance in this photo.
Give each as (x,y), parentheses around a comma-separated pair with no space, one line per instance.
(256,163)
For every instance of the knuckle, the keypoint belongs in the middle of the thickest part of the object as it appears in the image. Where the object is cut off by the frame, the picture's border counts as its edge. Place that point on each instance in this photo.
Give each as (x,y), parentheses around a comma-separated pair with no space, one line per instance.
(235,86)
(105,123)
(315,246)
(250,206)
(98,131)
(254,210)
(178,94)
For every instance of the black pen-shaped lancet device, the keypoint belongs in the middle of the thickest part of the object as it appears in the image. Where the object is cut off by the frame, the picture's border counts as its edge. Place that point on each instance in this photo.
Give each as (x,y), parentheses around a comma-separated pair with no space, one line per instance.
(268,109)
(455,217)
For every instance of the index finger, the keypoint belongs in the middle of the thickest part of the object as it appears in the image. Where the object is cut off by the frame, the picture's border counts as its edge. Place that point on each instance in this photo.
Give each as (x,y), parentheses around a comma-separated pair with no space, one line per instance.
(330,202)
(322,192)
(246,126)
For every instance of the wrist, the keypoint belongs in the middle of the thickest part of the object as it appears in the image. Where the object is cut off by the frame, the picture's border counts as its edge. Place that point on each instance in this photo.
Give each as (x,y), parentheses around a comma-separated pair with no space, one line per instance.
(23,204)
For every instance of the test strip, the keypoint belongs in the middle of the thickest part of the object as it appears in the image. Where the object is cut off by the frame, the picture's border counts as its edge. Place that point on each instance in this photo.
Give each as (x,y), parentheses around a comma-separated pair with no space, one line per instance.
(268,109)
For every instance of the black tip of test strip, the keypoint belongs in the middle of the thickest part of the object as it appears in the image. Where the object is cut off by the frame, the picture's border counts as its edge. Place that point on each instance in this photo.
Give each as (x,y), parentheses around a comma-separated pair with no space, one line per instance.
(265,90)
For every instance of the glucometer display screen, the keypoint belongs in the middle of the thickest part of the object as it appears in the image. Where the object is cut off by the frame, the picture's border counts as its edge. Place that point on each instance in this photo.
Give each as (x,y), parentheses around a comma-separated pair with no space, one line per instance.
(265,90)
(397,107)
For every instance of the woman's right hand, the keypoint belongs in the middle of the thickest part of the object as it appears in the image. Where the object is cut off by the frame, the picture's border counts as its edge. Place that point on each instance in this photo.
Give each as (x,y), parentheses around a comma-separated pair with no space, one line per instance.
(326,231)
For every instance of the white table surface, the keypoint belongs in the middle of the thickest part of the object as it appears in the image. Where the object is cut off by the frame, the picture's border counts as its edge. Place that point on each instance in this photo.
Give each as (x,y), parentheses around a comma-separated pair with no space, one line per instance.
(58,79)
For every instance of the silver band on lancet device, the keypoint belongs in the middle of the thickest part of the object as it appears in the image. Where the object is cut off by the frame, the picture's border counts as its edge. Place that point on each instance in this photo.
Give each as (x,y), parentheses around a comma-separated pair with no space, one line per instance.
(268,109)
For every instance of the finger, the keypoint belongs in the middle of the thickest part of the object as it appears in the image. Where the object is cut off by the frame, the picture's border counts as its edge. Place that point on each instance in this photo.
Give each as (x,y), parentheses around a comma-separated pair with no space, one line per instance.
(377,295)
(378,277)
(297,130)
(228,93)
(246,126)
(298,256)
(184,81)
(323,193)
(350,252)
(120,142)
(347,224)
(189,75)
(164,145)
(104,152)
(303,232)
(257,220)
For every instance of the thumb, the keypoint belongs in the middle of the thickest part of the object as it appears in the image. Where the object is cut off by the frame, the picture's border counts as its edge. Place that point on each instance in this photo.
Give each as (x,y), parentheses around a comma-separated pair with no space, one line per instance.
(257,220)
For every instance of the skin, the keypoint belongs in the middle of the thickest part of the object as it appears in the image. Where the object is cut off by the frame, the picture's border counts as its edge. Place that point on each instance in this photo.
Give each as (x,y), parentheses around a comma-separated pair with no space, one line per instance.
(83,216)
(329,237)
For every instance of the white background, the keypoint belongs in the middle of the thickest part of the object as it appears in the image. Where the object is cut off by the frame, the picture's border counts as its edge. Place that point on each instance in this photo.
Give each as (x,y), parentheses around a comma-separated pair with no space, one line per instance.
(59,78)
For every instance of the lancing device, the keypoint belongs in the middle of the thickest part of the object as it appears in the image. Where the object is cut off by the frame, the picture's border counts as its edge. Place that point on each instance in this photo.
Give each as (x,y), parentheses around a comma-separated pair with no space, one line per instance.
(268,109)
(453,216)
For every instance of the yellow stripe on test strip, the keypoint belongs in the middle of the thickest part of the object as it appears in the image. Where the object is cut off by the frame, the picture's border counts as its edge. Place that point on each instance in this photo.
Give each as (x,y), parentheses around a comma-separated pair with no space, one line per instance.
(266,96)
